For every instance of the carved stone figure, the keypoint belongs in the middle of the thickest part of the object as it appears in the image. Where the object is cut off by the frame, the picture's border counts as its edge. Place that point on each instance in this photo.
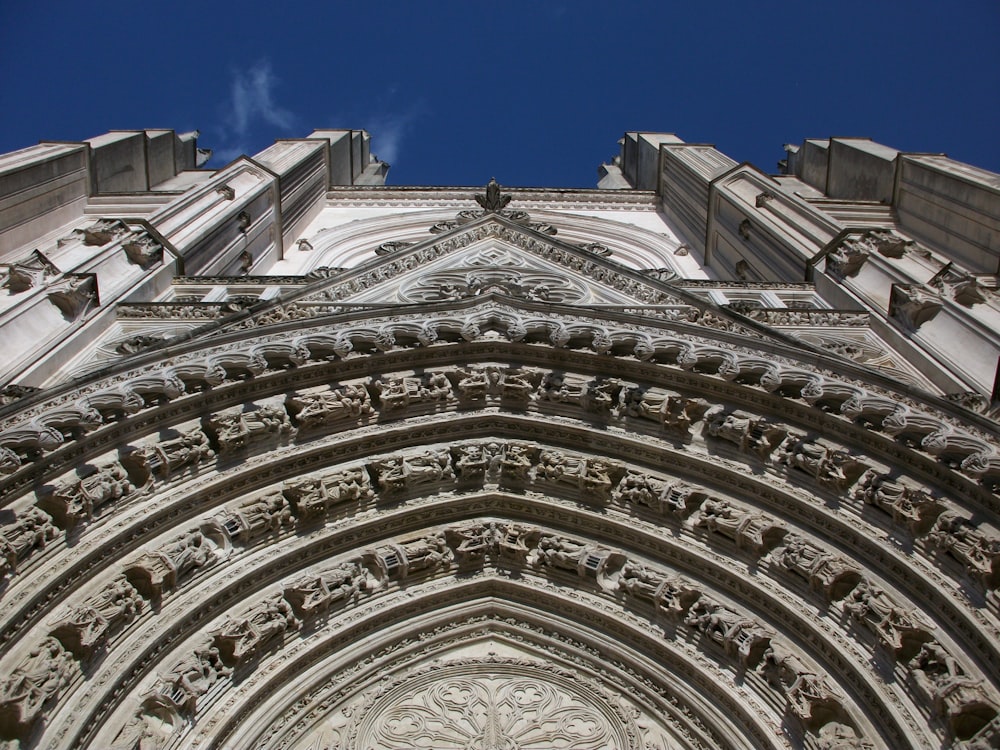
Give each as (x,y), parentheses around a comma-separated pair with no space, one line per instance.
(913,305)
(517,461)
(670,594)
(313,410)
(518,385)
(909,507)
(241,640)
(831,468)
(30,530)
(748,529)
(516,542)
(978,551)
(313,498)
(143,731)
(810,696)
(837,736)
(191,678)
(153,572)
(823,570)
(594,395)
(956,697)
(748,433)
(34,682)
(398,473)
(426,553)
(473,461)
(316,593)
(169,456)
(559,552)
(260,516)
(738,635)
(894,626)
(847,258)
(77,500)
(401,392)
(86,628)
(470,543)
(475,383)
(592,476)
(237,431)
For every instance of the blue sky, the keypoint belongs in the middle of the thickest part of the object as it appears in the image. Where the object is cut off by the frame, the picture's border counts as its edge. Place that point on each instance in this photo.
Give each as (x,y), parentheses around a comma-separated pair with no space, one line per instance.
(535,93)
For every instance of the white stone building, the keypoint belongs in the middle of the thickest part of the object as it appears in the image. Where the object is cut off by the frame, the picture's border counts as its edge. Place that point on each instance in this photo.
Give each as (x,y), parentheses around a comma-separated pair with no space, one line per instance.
(292,459)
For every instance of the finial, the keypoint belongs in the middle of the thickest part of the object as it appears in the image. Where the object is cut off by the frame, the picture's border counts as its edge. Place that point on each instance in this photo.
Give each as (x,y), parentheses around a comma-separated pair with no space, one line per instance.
(493,200)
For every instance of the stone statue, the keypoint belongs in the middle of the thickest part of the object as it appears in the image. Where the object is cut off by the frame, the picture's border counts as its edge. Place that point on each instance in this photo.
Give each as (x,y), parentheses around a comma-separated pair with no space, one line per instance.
(977,551)
(823,570)
(316,593)
(86,628)
(191,678)
(398,473)
(30,530)
(34,682)
(312,497)
(262,515)
(77,500)
(241,640)
(237,431)
(893,625)
(314,410)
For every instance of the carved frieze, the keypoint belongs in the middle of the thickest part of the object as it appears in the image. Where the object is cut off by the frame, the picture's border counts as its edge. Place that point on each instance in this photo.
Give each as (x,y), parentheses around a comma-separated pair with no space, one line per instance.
(86,628)
(167,457)
(314,497)
(155,572)
(32,686)
(324,407)
(896,627)
(400,392)
(77,500)
(267,513)
(747,528)
(239,430)
(977,550)
(241,639)
(29,531)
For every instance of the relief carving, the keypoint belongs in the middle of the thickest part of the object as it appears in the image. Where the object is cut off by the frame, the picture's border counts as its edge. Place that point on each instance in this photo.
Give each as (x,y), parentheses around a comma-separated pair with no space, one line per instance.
(258,517)
(152,573)
(811,698)
(745,431)
(516,462)
(313,498)
(671,594)
(30,531)
(978,551)
(909,507)
(86,628)
(34,683)
(236,431)
(594,395)
(895,627)
(428,388)
(317,409)
(190,679)
(748,529)
(662,496)
(238,641)
(399,473)
(592,476)
(960,700)
(77,500)
(824,571)
(835,469)
(401,560)
(170,456)
(313,594)
(673,411)
(738,635)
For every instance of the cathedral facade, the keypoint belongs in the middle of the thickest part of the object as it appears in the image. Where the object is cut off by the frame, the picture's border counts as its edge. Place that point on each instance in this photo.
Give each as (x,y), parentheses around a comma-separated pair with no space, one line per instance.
(703,458)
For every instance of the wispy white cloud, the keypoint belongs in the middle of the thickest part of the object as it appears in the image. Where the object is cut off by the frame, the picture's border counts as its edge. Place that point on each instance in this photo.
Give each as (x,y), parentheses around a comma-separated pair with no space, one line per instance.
(249,113)
(390,129)
(253,100)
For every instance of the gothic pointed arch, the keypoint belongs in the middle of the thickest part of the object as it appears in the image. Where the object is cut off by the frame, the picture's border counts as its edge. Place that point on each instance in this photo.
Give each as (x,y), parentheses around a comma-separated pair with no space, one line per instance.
(495,489)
